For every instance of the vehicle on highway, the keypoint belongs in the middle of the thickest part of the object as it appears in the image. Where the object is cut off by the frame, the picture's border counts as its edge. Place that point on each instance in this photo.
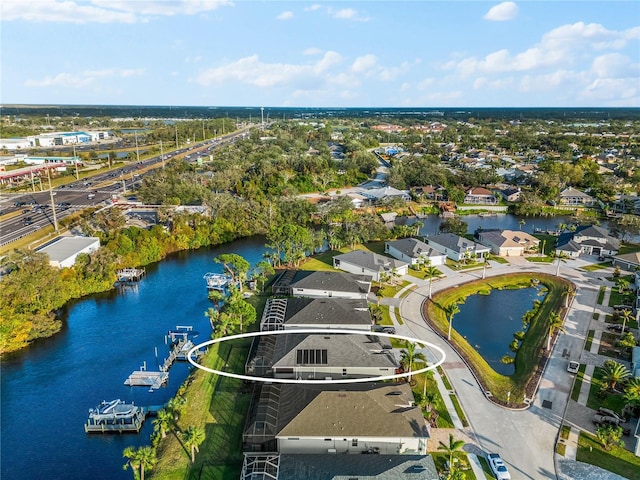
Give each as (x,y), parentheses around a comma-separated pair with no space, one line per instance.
(91,196)
(498,467)
(19,204)
(573,366)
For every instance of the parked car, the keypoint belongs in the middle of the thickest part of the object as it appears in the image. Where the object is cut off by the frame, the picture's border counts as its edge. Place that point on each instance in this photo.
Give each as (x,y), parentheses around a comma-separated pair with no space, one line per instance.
(611,413)
(617,328)
(498,467)
(573,366)
(606,420)
(389,330)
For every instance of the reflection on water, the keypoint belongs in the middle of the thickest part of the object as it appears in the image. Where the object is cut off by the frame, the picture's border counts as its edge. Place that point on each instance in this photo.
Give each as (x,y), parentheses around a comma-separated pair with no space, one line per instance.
(488,322)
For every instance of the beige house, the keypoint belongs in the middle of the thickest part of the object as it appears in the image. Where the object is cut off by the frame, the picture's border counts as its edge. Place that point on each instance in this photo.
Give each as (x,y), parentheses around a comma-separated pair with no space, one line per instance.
(508,243)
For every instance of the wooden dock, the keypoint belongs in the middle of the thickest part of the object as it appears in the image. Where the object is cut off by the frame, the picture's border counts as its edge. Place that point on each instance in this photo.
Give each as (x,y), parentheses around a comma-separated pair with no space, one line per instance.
(145,378)
(128,275)
(115,416)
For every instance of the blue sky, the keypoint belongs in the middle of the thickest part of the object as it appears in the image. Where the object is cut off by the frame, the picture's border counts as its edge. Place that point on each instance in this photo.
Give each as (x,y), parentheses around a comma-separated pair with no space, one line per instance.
(321,54)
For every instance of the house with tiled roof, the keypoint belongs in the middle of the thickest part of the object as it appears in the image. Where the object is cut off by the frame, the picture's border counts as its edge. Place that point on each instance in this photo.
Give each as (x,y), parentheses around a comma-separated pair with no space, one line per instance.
(508,243)
(414,251)
(587,240)
(369,263)
(574,197)
(480,196)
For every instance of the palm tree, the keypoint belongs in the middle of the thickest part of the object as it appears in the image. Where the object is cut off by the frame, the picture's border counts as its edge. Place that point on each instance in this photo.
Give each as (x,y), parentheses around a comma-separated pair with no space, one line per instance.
(555,325)
(561,258)
(452,449)
(450,310)
(622,283)
(192,439)
(164,421)
(521,223)
(568,294)
(176,406)
(613,372)
(213,315)
(431,271)
(144,458)
(632,392)
(409,356)
(626,316)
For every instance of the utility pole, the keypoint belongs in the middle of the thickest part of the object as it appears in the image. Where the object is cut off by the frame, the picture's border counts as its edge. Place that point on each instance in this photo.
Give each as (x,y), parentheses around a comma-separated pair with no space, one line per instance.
(203,129)
(53,205)
(137,150)
(262,116)
(161,154)
(75,163)
(176,126)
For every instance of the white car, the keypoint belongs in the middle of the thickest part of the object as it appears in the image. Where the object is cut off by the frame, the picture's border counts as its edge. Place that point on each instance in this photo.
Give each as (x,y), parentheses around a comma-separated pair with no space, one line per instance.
(573,367)
(498,467)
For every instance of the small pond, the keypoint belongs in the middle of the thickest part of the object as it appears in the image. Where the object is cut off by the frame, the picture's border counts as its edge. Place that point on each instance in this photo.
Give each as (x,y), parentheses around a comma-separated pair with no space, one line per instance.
(488,322)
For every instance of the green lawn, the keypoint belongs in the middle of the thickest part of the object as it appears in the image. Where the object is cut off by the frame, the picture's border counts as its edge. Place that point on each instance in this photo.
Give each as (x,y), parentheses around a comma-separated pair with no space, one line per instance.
(459,411)
(575,393)
(596,266)
(595,401)
(540,259)
(587,345)
(618,460)
(532,345)
(444,419)
(601,295)
(440,460)
(219,406)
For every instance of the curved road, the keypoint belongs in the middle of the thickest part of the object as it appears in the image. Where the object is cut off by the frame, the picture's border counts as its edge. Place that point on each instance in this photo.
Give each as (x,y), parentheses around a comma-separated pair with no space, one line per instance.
(525,439)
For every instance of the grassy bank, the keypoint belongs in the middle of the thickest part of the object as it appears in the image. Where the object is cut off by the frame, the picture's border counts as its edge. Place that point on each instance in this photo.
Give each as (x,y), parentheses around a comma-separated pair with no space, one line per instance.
(529,359)
(617,460)
(218,405)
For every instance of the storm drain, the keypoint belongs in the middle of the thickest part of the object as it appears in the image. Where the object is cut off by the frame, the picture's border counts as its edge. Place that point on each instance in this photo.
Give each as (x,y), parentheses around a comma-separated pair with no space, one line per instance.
(547,404)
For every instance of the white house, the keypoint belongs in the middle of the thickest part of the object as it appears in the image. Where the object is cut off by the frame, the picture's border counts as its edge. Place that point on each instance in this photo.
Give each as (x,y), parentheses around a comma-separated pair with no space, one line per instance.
(587,240)
(369,263)
(63,251)
(381,418)
(457,248)
(414,251)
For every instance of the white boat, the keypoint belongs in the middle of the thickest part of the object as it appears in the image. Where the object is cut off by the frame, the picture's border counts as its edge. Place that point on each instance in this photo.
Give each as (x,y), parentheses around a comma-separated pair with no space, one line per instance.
(216,281)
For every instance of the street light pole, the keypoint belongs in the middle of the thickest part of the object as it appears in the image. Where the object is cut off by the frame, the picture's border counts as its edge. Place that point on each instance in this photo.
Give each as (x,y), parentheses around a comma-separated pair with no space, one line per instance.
(53,206)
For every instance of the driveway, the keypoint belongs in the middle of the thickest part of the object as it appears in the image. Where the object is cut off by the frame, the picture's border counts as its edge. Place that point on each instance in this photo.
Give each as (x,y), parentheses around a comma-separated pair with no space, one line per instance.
(525,439)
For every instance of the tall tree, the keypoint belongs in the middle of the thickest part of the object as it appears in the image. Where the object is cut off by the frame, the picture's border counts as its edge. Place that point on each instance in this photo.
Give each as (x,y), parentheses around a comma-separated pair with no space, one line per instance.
(555,325)
(409,356)
(236,265)
(164,421)
(609,436)
(450,310)
(139,460)
(452,449)
(192,438)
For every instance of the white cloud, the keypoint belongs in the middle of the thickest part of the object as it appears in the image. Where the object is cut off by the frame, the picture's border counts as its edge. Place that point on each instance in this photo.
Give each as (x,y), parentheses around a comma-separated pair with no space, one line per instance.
(614,65)
(195,59)
(252,71)
(564,46)
(347,14)
(101,11)
(288,15)
(364,65)
(502,12)
(313,8)
(312,51)
(82,79)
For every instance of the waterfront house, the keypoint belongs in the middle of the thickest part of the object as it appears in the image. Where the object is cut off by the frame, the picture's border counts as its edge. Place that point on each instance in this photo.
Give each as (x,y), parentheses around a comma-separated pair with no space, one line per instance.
(574,197)
(301,283)
(457,248)
(480,196)
(587,240)
(508,243)
(414,252)
(340,419)
(304,312)
(369,263)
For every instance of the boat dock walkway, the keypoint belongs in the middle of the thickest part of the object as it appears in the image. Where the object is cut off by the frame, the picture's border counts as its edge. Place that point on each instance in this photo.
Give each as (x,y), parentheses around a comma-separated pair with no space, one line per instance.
(144,378)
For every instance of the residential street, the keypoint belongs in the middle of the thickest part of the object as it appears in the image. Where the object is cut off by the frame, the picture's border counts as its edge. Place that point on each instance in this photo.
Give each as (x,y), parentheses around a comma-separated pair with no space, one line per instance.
(525,439)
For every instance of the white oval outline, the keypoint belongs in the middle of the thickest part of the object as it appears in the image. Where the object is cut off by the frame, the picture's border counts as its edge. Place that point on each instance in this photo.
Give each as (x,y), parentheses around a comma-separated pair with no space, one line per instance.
(314,382)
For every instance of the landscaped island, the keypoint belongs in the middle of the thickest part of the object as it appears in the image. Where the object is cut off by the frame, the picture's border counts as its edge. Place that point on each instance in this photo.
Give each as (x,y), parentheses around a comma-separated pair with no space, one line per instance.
(518,389)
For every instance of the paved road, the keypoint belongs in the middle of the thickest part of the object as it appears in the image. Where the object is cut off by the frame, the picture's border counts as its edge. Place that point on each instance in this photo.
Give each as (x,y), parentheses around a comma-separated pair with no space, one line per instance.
(525,439)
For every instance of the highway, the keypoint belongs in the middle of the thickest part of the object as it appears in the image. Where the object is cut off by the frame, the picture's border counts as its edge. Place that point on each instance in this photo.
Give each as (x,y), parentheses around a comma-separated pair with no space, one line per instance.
(25,213)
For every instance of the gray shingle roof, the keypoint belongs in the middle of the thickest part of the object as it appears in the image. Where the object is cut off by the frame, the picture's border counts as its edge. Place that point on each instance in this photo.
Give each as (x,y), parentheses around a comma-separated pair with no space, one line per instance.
(360,411)
(335,281)
(327,311)
(370,260)
(361,467)
(456,243)
(414,248)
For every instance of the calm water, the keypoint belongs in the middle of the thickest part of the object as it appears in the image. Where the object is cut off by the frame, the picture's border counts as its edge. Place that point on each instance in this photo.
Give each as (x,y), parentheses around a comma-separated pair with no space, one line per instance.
(48,389)
(488,322)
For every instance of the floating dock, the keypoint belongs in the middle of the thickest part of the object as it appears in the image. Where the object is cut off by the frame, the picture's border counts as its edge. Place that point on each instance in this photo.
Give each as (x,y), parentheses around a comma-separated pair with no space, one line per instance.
(129,275)
(115,416)
(216,281)
(145,378)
